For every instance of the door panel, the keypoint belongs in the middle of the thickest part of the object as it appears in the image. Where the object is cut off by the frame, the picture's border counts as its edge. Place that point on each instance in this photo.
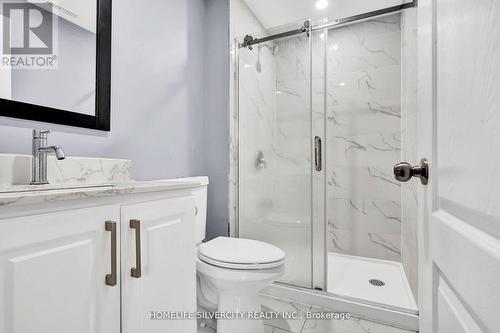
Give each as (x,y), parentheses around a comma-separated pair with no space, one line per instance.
(275,151)
(52,273)
(471,265)
(168,280)
(453,314)
(459,65)
(469,259)
(57,270)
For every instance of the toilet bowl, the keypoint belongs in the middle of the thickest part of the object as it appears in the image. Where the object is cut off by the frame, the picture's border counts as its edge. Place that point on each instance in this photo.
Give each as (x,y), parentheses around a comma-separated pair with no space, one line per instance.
(231,272)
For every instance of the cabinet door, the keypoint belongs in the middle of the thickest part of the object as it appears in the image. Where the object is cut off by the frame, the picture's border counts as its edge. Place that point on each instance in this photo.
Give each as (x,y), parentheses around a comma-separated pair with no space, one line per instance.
(52,273)
(165,279)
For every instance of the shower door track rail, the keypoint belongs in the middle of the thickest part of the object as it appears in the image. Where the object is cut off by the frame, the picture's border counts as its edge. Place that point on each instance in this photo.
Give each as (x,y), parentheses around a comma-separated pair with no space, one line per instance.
(248,40)
(365,16)
(403,319)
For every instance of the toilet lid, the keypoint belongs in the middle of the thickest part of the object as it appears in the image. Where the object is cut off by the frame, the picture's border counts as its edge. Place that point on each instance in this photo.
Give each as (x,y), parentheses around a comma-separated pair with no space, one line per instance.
(240,253)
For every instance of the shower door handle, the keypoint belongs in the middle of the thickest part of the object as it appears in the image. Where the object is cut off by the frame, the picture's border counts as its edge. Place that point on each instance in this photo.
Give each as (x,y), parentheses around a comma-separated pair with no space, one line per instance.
(317,153)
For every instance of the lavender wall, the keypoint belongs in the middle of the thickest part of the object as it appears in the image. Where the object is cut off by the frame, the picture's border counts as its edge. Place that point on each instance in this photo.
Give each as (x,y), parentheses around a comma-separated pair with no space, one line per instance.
(216,119)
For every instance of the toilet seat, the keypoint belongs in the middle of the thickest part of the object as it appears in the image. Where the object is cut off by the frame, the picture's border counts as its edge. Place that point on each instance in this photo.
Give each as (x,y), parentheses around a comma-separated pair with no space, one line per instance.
(239,253)
(224,264)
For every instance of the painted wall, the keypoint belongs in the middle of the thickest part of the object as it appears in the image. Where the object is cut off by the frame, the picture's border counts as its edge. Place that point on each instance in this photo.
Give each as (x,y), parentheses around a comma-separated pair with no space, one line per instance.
(216,120)
(76,63)
(158,113)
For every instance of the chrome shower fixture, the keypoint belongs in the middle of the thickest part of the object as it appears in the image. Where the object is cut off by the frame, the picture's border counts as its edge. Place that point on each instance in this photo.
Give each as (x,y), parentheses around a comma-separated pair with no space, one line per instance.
(248,40)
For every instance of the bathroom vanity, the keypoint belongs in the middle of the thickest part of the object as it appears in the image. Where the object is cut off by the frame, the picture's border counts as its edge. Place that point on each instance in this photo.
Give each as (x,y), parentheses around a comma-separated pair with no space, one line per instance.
(95,257)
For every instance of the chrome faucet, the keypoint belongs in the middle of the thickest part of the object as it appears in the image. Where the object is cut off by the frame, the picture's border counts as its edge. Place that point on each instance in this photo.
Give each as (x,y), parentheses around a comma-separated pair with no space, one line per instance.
(39,161)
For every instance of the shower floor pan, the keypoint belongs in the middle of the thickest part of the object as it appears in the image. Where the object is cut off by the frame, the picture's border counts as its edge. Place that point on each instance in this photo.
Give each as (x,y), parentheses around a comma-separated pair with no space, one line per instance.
(372,280)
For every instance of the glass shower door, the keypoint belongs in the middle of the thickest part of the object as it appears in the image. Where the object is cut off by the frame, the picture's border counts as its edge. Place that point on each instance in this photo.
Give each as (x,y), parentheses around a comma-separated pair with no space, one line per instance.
(275,151)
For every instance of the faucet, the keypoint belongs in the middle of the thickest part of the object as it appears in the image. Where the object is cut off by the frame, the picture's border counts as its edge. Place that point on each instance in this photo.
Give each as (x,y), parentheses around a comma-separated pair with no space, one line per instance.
(39,161)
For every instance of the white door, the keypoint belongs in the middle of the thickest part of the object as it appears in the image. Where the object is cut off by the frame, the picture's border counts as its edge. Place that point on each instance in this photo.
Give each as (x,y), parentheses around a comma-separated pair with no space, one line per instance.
(159,267)
(53,271)
(459,132)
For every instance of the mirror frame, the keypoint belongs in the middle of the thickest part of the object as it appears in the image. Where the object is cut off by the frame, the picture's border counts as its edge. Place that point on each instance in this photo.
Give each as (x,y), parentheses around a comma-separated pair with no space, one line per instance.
(101,120)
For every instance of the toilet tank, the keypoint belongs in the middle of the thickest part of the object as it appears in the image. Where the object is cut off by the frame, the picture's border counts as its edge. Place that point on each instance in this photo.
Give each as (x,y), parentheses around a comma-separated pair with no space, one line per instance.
(200,195)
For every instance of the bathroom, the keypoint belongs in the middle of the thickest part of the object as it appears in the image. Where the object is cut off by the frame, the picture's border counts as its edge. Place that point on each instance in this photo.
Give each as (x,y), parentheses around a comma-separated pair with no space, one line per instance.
(249,166)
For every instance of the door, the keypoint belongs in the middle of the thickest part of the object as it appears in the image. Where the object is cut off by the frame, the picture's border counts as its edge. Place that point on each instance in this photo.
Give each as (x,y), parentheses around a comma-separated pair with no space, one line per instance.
(275,150)
(158,265)
(459,128)
(53,271)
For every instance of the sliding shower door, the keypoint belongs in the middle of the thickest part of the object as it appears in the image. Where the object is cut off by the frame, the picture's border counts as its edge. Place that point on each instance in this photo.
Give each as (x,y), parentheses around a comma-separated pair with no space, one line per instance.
(276,150)
(322,120)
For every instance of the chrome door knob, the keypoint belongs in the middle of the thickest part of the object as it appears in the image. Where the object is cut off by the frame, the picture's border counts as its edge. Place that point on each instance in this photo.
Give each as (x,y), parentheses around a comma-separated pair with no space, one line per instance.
(403,171)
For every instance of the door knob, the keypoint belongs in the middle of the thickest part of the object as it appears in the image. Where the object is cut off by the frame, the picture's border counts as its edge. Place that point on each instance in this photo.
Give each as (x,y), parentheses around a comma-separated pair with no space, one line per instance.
(403,171)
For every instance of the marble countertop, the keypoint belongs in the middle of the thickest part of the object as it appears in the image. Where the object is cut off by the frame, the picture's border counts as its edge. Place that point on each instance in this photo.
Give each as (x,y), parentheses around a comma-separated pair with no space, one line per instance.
(16,195)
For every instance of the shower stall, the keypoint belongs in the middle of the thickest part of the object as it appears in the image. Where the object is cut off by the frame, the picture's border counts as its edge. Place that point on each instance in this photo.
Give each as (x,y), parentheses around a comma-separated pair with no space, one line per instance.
(318,127)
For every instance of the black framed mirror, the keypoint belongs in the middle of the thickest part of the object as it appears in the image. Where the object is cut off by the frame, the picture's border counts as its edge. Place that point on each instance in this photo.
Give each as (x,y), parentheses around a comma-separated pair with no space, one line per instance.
(56,61)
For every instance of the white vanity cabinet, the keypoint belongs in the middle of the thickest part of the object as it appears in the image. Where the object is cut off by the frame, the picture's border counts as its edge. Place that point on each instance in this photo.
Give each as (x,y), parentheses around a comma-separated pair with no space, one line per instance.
(69,269)
(164,279)
(52,273)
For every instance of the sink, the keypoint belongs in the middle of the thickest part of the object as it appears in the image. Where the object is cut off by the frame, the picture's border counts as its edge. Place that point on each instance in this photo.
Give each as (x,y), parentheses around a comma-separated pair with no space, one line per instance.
(71,173)
(48,187)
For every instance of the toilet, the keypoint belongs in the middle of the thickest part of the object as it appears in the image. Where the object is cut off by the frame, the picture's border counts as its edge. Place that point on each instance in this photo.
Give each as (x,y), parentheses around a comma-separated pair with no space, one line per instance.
(232,271)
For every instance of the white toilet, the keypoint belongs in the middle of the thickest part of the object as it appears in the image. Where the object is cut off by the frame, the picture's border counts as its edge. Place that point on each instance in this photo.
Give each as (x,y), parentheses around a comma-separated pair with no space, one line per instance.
(232,271)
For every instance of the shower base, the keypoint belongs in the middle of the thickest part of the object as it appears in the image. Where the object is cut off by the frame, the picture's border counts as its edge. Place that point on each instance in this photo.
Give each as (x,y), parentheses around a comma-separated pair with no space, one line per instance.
(375,281)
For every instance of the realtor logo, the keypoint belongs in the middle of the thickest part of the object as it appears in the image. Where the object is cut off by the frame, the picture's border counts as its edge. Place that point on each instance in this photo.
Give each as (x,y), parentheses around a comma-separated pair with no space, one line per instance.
(28,35)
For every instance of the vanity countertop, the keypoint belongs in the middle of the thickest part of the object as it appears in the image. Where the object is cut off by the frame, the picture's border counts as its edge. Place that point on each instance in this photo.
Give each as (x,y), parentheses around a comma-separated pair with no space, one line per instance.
(17,195)
(75,178)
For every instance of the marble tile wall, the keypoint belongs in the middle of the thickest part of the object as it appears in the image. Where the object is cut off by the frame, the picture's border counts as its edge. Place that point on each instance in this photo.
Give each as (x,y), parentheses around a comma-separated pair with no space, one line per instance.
(362,81)
(257,112)
(359,69)
(293,129)
(292,172)
(272,116)
(363,87)
(242,21)
(409,199)
(264,193)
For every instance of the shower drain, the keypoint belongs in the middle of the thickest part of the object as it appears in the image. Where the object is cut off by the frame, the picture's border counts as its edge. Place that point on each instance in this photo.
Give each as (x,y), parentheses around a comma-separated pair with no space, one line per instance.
(377,283)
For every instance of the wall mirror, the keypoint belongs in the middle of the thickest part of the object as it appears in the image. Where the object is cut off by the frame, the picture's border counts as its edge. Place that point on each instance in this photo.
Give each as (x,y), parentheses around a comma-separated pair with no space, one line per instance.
(56,61)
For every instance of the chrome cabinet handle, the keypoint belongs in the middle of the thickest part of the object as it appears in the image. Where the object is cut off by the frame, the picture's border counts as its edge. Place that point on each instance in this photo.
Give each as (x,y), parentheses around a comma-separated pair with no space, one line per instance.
(317,153)
(136,271)
(111,278)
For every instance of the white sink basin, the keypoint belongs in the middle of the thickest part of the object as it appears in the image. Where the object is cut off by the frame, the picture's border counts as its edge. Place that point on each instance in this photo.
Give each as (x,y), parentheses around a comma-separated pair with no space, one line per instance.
(71,173)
